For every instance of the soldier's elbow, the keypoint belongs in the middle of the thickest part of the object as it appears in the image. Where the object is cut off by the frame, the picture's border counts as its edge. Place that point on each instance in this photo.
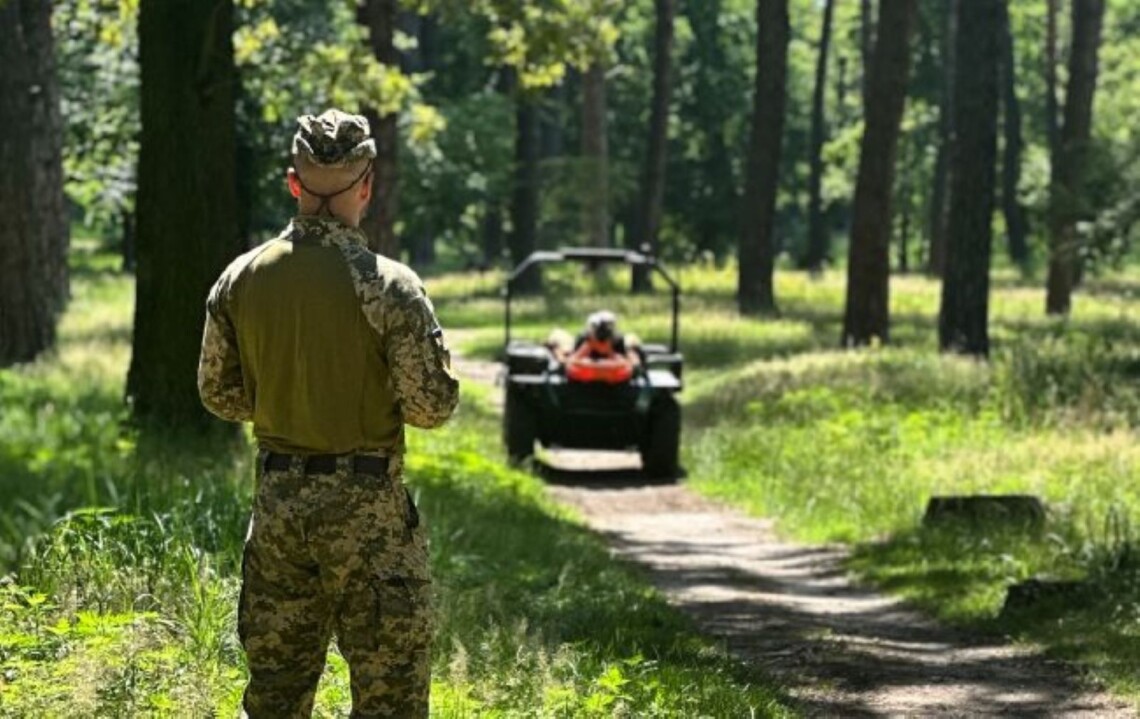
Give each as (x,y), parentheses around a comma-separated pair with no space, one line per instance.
(436,414)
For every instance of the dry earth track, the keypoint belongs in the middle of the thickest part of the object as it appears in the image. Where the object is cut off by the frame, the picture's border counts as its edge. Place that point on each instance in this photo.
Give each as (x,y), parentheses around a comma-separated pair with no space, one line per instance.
(840,649)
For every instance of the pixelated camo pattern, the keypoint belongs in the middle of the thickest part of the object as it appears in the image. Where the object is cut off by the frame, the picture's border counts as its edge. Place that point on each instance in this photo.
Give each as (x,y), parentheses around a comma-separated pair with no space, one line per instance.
(333,139)
(341,554)
(220,382)
(393,301)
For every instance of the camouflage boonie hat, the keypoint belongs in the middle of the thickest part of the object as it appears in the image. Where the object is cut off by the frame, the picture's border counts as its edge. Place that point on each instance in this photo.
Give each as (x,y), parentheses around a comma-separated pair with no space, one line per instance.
(333,139)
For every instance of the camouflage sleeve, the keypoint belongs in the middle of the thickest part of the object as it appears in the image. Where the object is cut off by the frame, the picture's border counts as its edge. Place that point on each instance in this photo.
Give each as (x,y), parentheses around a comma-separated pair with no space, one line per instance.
(220,382)
(420,364)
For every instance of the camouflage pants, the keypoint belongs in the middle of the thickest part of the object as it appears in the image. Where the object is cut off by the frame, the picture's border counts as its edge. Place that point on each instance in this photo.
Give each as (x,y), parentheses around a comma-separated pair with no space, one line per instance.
(341,554)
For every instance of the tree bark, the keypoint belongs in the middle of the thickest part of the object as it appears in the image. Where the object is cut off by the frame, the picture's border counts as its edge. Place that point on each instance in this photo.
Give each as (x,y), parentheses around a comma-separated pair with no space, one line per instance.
(964,314)
(756,253)
(595,153)
(716,224)
(553,122)
(866,43)
(1016,224)
(523,239)
(818,234)
(1066,203)
(379,224)
(1052,115)
(650,208)
(867,314)
(939,196)
(188,225)
(34,234)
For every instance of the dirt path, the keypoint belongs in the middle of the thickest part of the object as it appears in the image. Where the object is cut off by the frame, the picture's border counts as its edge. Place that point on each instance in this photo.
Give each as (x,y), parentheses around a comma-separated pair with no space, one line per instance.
(840,649)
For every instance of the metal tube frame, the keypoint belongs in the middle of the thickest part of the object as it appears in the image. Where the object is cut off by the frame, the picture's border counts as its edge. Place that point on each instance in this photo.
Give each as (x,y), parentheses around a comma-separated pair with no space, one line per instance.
(588,255)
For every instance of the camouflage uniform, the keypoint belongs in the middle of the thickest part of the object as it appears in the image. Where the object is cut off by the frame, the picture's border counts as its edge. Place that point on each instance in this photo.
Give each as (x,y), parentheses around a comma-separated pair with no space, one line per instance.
(329,349)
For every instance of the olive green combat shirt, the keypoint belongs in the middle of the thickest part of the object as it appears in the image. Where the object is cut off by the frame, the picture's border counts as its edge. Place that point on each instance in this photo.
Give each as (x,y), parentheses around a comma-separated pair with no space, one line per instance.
(325,346)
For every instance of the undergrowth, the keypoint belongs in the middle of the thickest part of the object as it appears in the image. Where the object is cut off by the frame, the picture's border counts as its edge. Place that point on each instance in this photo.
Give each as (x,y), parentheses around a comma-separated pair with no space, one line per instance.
(842,446)
(123,551)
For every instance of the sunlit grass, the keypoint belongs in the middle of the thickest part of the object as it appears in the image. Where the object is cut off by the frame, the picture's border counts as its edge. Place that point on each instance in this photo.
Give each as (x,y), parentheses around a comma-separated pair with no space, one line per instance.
(124,551)
(849,446)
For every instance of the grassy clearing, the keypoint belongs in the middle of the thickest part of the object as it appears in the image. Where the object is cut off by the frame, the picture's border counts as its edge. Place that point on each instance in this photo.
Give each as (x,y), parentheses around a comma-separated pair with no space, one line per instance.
(848,446)
(124,554)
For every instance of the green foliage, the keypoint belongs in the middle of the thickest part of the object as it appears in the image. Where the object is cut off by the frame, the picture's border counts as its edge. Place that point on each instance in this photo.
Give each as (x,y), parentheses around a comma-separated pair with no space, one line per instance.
(121,602)
(448,185)
(97,58)
(849,446)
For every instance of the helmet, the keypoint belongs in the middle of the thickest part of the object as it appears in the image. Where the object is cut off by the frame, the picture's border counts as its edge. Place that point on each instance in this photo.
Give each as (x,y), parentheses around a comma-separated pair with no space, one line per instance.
(601,325)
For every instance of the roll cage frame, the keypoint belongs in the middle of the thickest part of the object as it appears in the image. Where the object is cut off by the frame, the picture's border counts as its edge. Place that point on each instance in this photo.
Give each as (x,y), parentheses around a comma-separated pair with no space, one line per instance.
(593,257)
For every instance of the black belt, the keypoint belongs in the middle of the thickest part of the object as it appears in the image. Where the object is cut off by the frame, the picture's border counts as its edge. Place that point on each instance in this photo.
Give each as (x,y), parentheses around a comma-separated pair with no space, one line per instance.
(326,463)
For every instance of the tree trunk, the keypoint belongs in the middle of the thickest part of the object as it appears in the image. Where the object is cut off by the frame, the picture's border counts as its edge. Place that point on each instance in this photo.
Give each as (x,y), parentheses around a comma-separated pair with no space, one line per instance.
(1015,222)
(906,209)
(1052,123)
(187,198)
(650,208)
(494,201)
(939,196)
(524,198)
(818,231)
(867,315)
(553,122)
(1066,203)
(963,318)
(33,216)
(595,153)
(866,43)
(379,224)
(716,224)
(756,253)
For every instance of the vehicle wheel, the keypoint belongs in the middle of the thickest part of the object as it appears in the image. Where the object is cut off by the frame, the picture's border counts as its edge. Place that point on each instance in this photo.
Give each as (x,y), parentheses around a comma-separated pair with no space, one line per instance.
(518,426)
(660,448)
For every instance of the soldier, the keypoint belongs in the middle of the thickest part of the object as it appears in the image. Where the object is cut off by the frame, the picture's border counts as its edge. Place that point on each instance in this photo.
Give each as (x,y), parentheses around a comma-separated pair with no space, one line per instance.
(329,350)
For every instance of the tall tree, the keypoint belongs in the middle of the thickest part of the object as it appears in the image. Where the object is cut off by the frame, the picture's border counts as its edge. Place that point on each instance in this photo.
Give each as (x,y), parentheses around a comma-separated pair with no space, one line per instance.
(379,224)
(818,244)
(866,43)
(493,212)
(595,154)
(939,197)
(756,253)
(1015,223)
(867,314)
(963,319)
(187,208)
(1066,202)
(716,184)
(648,223)
(524,196)
(33,219)
(1052,121)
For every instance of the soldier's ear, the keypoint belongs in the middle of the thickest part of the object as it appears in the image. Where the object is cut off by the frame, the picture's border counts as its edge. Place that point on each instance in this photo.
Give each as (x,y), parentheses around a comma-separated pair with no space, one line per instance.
(366,186)
(293,182)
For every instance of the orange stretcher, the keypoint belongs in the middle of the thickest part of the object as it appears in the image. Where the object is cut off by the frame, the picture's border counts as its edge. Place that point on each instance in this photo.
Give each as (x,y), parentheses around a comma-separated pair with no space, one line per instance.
(610,371)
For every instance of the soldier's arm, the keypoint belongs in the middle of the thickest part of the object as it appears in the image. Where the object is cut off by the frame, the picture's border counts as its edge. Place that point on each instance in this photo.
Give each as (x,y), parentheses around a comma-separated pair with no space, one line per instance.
(220,382)
(420,363)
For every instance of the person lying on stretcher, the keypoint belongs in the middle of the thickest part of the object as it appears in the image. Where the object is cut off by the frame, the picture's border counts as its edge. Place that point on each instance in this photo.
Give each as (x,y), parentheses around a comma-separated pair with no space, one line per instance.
(600,354)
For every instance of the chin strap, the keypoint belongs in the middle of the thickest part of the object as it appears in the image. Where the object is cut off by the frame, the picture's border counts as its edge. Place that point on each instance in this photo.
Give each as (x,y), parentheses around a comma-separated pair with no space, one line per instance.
(323,208)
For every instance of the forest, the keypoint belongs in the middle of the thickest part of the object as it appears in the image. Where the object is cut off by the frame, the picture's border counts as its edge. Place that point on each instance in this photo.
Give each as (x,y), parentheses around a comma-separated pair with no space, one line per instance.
(905,232)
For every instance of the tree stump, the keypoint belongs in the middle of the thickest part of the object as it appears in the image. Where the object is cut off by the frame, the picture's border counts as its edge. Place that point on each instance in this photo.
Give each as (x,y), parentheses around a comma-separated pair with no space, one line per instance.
(1011,509)
(1038,592)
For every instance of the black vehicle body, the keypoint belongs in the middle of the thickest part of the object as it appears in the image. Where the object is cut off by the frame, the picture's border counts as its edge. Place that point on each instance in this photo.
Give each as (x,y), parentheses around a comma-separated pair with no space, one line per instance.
(543,405)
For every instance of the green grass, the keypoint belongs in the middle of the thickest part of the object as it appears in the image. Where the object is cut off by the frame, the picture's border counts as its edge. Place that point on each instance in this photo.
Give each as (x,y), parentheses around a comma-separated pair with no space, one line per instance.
(848,447)
(123,553)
